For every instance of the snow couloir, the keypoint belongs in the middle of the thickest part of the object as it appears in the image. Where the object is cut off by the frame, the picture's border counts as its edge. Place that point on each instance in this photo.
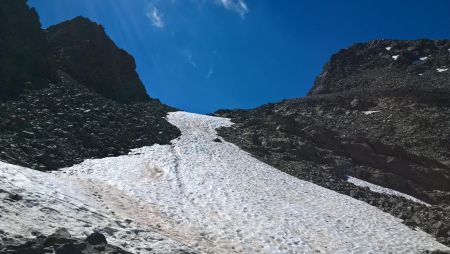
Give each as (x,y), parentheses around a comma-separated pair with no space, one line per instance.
(212,197)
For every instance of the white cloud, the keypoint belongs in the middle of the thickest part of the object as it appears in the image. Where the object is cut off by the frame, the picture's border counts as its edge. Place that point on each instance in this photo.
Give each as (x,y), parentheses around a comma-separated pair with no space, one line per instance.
(189,58)
(155,17)
(238,6)
(210,72)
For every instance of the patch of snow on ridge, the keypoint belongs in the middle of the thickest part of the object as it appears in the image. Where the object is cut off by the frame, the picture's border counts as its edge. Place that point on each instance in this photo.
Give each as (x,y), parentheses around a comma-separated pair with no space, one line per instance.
(379,189)
(219,199)
(370,112)
(395,57)
(423,58)
(442,69)
(388,48)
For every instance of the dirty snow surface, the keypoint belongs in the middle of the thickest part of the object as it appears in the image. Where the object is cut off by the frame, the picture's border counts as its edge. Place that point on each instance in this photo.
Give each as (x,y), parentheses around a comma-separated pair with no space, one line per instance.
(210,196)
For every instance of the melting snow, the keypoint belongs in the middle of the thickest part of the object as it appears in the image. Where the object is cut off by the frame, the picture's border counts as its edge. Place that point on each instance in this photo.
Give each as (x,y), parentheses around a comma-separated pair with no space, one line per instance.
(395,57)
(50,202)
(211,196)
(379,189)
(388,48)
(423,58)
(442,69)
(370,112)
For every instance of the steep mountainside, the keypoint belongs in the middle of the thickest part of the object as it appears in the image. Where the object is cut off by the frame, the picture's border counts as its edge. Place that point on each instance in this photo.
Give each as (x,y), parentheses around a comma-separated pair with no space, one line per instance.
(88,100)
(371,117)
(83,50)
(24,54)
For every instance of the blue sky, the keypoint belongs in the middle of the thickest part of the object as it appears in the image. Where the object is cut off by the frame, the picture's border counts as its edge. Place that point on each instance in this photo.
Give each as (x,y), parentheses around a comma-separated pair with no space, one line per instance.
(203,55)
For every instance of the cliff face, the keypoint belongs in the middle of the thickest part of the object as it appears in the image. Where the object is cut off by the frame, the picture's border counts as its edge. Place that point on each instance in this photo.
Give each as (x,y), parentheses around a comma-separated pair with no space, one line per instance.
(81,48)
(24,54)
(387,64)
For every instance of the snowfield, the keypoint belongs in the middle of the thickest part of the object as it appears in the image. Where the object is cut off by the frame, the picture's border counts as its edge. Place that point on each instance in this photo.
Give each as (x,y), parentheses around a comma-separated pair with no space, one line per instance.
(210,196)
(50,202)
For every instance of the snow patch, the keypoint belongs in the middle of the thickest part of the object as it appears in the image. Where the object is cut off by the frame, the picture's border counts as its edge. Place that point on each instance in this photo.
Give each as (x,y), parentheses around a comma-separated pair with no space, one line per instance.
(423,58)
(388,48)
(379,189)
(370,112)
(442,69)
(395,57)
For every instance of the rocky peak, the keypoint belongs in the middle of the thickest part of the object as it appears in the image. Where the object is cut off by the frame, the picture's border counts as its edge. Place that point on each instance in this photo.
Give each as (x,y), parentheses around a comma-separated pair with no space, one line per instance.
(24,55)
(83,49)
(387,64)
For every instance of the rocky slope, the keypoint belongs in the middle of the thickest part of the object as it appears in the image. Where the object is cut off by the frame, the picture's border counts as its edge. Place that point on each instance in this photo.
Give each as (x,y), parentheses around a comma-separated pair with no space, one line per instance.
(370,115)
(65,123)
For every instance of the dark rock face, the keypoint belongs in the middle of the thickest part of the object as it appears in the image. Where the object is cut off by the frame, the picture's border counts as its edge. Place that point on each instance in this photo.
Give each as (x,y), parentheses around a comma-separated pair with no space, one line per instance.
(81,48)
(24,54)
(65,123)
(61,242)
(372,66)
(389,131)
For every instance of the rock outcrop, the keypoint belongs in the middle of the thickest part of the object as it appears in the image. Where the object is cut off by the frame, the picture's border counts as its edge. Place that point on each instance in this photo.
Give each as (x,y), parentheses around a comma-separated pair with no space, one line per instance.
(60,242)
(24,54)
(81,48)
(369,116)
(387,64)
